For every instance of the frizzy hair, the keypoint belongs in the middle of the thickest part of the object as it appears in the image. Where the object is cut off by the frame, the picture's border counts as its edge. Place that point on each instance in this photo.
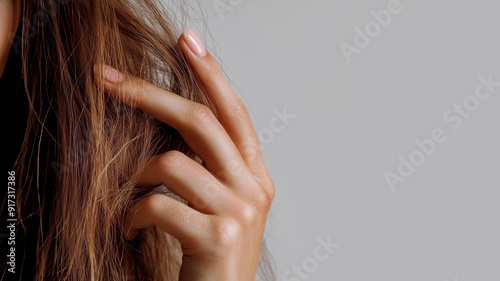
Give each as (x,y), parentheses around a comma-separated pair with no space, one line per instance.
(83,150)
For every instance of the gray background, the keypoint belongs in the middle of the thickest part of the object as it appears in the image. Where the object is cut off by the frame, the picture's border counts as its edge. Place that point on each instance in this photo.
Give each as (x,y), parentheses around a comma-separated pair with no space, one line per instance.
(353,120)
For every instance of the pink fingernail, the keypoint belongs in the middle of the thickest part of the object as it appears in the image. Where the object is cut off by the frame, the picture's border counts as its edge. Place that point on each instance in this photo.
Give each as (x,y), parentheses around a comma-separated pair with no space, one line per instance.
(194,43)
(113,75)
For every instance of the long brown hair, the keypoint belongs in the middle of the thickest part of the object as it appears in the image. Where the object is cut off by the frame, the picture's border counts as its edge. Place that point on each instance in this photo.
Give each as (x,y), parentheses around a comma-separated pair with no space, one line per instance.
(83,150)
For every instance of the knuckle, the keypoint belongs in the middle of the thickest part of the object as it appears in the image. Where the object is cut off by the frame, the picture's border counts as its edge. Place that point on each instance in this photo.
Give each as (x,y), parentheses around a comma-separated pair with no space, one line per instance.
(214,70)
(237,108)
(201,114)
(225,233)
(247,214)
(172,159)
(263,200)
(250,150)
(238,112)
(140,90)
(153,204)
(271,190)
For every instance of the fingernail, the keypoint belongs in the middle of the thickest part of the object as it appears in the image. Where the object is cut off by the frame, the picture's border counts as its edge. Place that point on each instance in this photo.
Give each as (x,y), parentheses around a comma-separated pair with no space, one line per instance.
(194,43)
(113,75)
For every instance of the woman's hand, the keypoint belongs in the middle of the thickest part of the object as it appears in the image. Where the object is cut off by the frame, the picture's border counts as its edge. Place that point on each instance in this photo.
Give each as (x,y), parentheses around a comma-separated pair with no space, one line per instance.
(222,228)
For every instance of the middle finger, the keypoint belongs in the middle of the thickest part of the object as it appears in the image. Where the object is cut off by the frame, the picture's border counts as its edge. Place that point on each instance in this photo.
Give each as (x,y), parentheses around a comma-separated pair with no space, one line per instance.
(195,122)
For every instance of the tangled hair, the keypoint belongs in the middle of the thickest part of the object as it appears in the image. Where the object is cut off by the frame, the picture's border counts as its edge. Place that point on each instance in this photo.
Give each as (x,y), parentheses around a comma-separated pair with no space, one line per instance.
(83,151)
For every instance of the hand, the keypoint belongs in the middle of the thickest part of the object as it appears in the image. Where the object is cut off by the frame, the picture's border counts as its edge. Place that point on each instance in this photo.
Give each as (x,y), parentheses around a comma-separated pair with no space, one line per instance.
(221,230)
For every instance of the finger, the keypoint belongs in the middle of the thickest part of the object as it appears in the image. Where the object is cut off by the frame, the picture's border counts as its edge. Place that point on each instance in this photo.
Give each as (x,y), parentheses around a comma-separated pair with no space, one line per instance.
(195,122)
(231,111)
(189,180)
(168,214)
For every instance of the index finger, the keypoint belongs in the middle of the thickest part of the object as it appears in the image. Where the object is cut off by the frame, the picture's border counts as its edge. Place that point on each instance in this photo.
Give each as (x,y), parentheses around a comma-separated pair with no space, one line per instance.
(231,111)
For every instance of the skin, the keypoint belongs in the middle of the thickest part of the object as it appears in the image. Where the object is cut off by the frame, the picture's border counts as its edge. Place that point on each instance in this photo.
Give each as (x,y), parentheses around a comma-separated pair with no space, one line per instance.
(229,197)
(10,12)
